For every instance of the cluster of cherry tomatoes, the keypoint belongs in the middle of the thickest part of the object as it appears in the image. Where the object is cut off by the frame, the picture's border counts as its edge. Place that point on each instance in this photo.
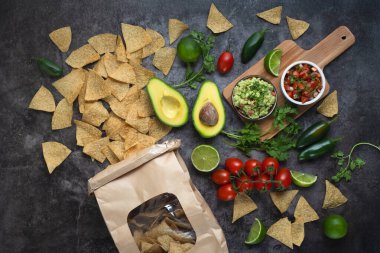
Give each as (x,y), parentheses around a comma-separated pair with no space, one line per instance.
(241,177)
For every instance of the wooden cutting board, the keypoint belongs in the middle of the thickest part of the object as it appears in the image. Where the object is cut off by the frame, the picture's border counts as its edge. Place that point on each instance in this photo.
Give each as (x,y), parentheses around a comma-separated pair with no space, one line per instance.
(322,54)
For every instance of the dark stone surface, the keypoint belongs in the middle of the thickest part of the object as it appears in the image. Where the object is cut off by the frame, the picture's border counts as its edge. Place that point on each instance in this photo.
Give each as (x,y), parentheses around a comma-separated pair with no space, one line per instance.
(52,213)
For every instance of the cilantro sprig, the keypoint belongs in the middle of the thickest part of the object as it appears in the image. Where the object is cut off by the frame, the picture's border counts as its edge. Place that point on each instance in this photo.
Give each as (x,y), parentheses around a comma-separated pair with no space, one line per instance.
(249,137)
(208,65)
(347,164)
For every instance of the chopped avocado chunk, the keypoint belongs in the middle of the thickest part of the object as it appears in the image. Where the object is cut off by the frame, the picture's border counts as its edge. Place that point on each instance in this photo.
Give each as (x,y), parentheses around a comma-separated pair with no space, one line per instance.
(169,105)
(208,112)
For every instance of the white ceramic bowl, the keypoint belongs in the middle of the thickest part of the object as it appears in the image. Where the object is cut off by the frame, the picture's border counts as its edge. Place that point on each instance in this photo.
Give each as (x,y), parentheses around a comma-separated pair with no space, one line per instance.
(323,81)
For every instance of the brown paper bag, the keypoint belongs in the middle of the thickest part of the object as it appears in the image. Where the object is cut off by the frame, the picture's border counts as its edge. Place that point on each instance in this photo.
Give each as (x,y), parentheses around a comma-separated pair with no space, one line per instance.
(143,181)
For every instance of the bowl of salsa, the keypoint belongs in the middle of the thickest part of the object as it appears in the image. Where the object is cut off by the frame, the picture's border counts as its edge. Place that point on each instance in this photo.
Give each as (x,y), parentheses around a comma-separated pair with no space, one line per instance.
(303,83)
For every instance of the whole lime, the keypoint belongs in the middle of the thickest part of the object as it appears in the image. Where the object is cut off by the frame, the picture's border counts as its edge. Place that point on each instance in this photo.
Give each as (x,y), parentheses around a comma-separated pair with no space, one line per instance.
(188,50)
(335,226)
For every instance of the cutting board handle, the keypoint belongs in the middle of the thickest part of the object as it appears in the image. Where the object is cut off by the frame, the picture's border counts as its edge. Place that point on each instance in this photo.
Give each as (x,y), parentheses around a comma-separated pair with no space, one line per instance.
(331,47)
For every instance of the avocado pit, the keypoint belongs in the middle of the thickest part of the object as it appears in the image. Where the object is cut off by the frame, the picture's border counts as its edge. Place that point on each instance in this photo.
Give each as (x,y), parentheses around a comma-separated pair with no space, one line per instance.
(209,115)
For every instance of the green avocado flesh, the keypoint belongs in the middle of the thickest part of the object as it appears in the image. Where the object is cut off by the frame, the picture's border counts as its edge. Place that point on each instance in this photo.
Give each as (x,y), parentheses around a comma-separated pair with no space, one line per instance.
(169,105)
(208,94)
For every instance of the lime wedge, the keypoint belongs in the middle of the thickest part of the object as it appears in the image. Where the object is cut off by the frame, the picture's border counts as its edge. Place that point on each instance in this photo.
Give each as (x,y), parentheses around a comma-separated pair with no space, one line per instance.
(257,233)
(272,61)
(303,179)
(205,158)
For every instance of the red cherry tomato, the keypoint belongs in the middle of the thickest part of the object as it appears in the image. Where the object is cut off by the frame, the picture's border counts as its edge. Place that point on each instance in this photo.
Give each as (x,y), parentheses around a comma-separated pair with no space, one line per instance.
(264,183)
(221,176)
(270,166)
(226,192)
(233,165)
(244,183)
(252,167)
(225,62)
(285,178)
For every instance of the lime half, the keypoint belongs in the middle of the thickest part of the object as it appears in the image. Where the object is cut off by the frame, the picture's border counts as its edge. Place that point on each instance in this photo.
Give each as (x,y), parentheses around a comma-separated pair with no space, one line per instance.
(257,233)
(303,179)
(205,158)
(272,61)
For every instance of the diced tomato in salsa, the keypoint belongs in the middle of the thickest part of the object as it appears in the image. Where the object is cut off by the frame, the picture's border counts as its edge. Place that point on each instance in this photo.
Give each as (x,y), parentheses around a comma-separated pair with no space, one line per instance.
(303,82)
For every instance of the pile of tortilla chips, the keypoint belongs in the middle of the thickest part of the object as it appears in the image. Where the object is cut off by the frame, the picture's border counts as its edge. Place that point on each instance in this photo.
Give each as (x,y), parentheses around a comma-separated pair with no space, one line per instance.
(117,118)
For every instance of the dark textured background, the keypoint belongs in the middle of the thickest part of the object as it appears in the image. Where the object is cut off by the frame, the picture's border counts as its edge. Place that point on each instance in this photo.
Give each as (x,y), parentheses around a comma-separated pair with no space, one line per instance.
(52,213)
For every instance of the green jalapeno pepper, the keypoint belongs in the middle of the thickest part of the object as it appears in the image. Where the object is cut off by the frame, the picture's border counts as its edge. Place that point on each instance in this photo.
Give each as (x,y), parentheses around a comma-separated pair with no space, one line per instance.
(318,149)
(314,133)
(48,67)
(252,44)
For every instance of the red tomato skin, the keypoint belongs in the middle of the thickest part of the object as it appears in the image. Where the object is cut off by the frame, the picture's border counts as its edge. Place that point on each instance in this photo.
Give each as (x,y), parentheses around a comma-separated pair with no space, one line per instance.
(270,162)
(285,177)
(226,192)
(234,165)
(244,183)
(221,176)
(260,186)
(252,167)
(225,62)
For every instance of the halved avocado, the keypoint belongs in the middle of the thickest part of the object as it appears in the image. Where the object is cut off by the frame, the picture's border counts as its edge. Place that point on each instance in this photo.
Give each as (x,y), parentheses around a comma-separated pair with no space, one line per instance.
(169,105)
(208,112)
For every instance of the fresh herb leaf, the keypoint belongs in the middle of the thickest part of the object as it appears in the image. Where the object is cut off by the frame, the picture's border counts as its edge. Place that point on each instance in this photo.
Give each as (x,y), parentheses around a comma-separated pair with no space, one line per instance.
(347,165)
(249,137)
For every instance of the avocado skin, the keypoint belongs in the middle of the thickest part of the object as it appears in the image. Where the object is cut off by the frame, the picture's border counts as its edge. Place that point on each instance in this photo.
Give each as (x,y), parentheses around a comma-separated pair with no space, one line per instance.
(219,107)
(151,91)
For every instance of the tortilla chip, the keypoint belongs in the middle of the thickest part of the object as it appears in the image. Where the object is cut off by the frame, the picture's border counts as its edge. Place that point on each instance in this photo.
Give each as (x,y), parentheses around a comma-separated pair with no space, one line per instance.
(216,22)
(283,199)
(71,84)
(111,63)
(54,154)
(157,129)
(282,232)
(94,149)
(186,246)
(62,115)
(304,212)
(145,108)
(135,37)
(154,249)
(164,59)
(117,148)
(135,55)
(120,108)
(272,16)
(142,75)
(95,113)
(143,141)
(175,247)
(86,133)
(176,28)
(297,27)
(43,100)
(157,42)
(329,106)
(243,205)
(118,89)
(113,125)
(111,157)
(82,94)
(103,43)
(100,68)
(120,52)
(131,138)
(145,246)
(132,119)
(96,87)
(124,73)
(333,197)
(82,56)
(62,38)
(164,241)
(298,233)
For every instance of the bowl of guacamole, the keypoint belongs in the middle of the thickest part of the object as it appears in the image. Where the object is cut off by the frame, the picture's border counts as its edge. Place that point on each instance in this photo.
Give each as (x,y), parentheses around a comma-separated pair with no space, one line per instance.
(254,97)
